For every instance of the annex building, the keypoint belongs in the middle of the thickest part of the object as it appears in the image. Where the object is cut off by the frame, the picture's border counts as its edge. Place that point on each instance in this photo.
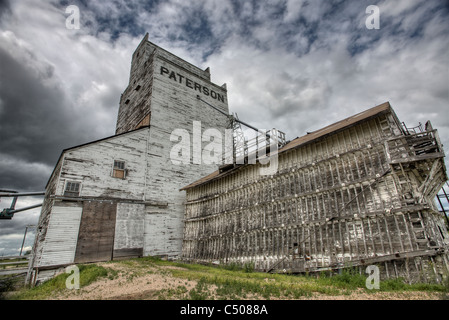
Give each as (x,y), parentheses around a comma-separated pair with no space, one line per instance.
(358,192)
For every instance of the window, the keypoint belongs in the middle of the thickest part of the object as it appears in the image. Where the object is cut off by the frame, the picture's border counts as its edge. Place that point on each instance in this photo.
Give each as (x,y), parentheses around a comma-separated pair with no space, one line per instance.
(72,189)
(138,87)
(119,169)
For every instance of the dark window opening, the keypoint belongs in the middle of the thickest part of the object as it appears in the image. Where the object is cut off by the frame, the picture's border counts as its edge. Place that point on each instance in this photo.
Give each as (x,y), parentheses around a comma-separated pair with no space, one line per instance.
(72,189)
(119,169)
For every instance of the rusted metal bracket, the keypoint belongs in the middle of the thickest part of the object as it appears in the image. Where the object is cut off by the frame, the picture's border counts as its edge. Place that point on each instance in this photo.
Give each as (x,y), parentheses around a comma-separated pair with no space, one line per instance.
(8,213)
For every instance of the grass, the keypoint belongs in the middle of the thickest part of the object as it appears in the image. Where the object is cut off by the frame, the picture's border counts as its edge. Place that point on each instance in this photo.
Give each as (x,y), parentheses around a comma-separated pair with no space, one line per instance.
(234,281)
(231,282)
(88,274)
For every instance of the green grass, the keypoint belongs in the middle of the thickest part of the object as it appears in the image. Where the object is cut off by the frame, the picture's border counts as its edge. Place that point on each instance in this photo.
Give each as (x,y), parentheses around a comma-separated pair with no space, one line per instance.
(232,282)
(88,274)
(237,282)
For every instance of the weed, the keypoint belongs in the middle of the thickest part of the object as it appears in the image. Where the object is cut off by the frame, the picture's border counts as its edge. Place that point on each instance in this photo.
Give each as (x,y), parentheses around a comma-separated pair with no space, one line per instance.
(249,267)
(233,281)
(200,291)
(7,284)
(88,274)
(445,292)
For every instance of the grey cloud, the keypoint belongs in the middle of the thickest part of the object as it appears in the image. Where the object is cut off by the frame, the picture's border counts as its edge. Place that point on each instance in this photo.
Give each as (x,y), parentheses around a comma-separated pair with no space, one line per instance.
(5,7)
(34,121)
(293,65)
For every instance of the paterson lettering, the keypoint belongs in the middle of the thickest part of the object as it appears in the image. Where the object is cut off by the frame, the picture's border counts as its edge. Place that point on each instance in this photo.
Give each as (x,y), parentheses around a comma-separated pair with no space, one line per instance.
(192,84)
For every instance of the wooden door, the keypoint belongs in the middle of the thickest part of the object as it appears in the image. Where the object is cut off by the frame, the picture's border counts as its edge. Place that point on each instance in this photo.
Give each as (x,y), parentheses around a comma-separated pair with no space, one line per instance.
(96,234)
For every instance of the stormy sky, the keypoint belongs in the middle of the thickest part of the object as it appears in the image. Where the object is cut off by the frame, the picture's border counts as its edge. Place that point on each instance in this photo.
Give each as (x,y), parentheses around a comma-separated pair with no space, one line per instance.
(295,65)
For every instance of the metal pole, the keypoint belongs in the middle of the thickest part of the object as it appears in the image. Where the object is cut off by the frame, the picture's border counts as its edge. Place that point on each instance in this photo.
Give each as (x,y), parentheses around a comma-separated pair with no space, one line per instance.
(447,199)
(444,211)
(25,194)
(240,121)
(13,204)
(26,208)
(23,242)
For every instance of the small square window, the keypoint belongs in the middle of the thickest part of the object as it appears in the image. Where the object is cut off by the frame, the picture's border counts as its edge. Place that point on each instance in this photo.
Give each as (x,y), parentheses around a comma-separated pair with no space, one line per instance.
(119,169)
(138,87)
(119,165)
(72,189)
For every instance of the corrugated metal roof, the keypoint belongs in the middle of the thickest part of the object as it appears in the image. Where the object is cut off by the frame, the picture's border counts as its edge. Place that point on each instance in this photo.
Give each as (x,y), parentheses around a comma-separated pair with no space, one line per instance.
(308,138)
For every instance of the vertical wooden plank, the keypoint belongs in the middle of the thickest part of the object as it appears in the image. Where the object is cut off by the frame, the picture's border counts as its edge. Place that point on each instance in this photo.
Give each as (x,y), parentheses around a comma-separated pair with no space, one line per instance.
(96,234)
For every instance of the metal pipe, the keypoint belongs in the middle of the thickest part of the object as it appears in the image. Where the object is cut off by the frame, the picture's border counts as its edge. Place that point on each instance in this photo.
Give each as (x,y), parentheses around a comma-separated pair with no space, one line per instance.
(221,111)
(25,194)
(23,241)
(26,208)
(8,191)
(13,204)
(447,199)
(240,121)
(444,211)
(24,236)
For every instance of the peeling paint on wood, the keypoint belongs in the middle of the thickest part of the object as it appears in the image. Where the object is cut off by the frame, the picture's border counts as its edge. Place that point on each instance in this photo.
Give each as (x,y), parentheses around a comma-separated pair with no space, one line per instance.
(150,208)
(361,195)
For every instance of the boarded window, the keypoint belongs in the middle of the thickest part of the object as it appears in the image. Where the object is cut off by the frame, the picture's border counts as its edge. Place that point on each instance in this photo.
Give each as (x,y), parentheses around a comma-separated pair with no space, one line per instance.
(72,189)
(145,121)
(119,170)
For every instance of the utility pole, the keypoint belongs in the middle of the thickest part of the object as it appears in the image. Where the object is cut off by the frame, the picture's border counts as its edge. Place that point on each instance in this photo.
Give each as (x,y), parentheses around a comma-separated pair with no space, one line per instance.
(24,236)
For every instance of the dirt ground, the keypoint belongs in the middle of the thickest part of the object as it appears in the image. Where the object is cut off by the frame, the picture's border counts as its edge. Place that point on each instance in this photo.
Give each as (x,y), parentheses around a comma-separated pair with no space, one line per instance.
(156,283)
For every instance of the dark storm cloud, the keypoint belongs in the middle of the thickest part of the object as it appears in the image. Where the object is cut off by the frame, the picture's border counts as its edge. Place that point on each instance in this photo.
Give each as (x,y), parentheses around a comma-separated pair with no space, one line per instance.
(37,121)
(5,7)
(296,65)
(35,125)
(32,116)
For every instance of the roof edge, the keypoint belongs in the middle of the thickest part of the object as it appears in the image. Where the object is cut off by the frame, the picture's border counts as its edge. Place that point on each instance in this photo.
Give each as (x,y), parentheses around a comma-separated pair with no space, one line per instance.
(313,136)
(88,143)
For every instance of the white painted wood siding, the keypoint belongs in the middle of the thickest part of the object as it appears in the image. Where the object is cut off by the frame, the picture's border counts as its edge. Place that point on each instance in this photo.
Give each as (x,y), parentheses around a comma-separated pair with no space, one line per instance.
(156,235)
(62,235)
(129,226)
(92,166)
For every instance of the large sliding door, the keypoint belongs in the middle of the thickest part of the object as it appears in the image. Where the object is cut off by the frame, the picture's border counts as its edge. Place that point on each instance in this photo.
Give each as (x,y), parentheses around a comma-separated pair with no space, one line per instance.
(96,234)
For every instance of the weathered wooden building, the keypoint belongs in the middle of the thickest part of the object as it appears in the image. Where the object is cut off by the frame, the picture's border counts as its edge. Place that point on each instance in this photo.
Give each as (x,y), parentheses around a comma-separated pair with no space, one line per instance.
(119,196)
(358,192)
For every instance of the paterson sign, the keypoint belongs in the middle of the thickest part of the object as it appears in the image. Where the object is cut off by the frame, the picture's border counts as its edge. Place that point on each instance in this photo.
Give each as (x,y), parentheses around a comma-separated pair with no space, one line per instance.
(192,84)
